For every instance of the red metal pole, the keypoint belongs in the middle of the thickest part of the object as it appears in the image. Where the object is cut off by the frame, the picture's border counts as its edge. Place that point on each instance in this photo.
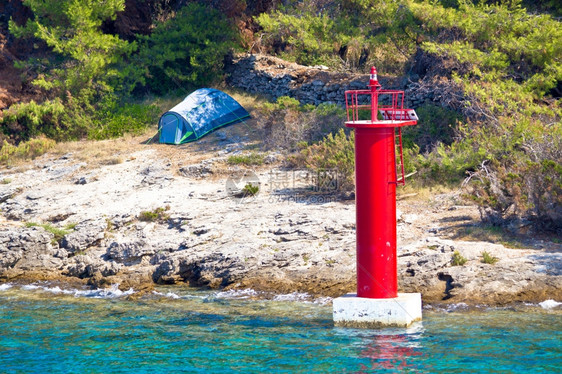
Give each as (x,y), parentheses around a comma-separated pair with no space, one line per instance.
(375,199)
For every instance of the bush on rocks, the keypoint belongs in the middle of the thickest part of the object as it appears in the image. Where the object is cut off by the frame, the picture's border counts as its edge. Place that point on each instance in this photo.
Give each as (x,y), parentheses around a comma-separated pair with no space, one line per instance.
(286,124)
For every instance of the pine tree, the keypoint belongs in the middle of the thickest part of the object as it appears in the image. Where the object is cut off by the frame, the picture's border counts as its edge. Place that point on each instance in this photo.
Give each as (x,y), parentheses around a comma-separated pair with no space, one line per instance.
(84,67)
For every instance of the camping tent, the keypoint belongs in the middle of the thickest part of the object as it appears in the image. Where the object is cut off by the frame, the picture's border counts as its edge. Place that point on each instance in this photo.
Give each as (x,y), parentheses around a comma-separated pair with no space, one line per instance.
(198,114)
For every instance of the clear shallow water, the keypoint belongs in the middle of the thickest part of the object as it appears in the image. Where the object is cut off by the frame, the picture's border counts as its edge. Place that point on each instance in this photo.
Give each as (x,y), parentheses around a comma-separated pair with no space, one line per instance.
(49,330)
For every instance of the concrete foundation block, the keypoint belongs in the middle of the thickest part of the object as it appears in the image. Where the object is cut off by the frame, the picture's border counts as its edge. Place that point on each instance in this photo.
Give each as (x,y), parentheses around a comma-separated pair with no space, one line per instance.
(352,311)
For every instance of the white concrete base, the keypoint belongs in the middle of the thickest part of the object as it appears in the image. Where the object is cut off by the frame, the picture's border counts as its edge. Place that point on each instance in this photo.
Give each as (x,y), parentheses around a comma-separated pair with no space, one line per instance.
(401,311)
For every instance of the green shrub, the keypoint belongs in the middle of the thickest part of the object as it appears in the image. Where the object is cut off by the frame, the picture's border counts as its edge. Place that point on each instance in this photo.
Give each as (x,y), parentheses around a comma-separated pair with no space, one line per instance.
(24,121)
(525,184)
(29,123)
(158,214)
(57,232)
(458,259)
(188,49)
(334,152)
(25,150)
(488,258)
(436,125)
(115,120)
(250,189)
(252,159)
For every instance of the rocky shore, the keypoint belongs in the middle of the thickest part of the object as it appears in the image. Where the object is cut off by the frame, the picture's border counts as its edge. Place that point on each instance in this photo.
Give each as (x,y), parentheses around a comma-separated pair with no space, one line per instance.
(148,214)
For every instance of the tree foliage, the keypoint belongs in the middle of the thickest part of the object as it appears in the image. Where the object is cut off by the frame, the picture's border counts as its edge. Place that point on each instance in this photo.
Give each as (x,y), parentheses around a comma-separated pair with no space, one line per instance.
(87,57)
(186,50)
(347,34)
(509,65)
(497,41)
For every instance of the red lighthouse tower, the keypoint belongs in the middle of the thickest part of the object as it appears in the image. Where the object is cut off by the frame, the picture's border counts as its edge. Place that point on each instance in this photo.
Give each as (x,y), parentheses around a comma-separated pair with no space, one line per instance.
(377,115)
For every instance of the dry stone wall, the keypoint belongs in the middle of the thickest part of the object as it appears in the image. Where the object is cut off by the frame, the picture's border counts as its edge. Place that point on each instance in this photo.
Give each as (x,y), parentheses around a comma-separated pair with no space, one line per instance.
(275,77)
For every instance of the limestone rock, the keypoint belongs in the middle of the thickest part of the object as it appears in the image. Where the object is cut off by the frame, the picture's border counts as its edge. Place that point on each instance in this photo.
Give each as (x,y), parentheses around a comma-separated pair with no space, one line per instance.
(86,266)
(29,249)
(7,193)
(129,252)
(86,234)
(200,170)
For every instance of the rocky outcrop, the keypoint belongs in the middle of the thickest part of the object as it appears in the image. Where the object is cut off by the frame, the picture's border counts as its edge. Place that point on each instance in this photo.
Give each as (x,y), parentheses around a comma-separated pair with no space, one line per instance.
(519,275)
(29,249)
(130,253)
(86,234)
(274,77)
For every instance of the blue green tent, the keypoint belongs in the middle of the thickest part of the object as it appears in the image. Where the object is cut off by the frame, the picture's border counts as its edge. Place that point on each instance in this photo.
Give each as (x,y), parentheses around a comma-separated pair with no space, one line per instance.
(198,114)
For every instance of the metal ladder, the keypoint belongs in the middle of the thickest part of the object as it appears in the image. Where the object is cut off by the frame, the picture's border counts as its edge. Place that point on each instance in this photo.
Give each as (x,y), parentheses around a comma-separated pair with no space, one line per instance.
(400,178)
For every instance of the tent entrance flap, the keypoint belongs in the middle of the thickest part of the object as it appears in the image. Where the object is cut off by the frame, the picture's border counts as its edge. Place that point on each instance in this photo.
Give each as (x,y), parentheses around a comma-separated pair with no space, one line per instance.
(200,113)
(170,129)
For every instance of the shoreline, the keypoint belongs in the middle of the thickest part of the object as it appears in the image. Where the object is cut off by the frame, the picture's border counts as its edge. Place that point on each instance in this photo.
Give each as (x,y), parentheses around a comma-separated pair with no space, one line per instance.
(160,293)
(163,215)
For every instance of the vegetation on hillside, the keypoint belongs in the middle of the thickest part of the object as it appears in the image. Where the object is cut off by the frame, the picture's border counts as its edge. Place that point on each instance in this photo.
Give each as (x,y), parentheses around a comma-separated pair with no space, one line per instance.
(499,65)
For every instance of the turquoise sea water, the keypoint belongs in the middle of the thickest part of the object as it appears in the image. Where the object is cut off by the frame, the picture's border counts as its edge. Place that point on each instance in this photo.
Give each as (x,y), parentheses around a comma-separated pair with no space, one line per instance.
(44,329)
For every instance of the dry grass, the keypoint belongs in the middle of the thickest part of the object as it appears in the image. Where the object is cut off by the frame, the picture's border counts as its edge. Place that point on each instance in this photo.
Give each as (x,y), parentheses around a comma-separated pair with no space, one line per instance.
(248,101)
(412,192)
(103,152)
(491,234)
(114,151)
